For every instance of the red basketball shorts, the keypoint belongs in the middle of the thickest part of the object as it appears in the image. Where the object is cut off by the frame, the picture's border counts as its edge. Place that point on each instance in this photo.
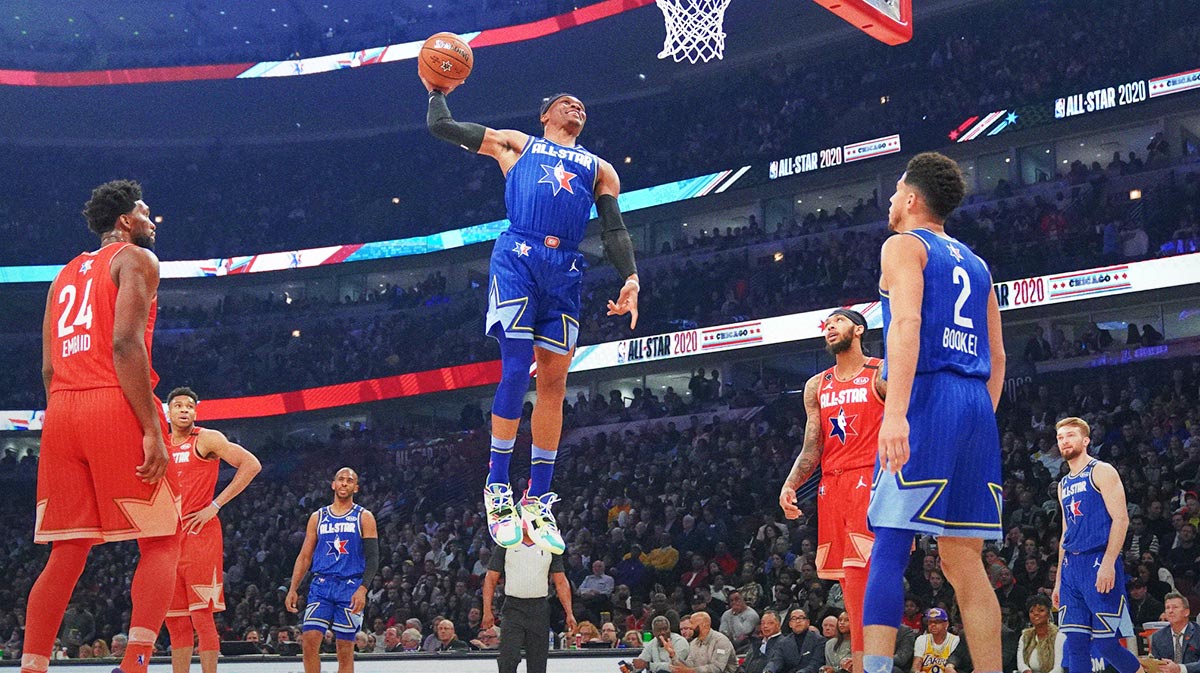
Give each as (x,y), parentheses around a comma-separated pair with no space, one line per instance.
(87,486)
(200,578)
(843,538)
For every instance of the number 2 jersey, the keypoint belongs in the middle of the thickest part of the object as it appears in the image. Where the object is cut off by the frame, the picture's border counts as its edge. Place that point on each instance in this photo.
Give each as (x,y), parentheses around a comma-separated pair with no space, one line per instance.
(954,309)
(83,300)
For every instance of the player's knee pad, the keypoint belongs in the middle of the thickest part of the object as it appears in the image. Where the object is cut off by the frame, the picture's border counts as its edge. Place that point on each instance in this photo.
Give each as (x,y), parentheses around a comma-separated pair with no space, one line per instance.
(883,604)
(1115,655)
(206,631)
(180,630)
(1077,650)
(515,357)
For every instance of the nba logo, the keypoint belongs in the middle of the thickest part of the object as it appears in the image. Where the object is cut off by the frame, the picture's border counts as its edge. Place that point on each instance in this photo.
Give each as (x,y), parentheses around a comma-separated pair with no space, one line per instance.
(773,170)
(1060,108)
(622,349)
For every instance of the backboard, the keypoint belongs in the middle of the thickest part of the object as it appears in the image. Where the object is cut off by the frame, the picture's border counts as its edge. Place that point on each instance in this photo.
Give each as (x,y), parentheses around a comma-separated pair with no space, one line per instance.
(889,21)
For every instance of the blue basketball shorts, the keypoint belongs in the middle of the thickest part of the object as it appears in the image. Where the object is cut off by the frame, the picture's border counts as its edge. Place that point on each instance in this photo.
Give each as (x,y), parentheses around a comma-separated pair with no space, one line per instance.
(951,484)
(534,290)
(329,607)
(1082,608)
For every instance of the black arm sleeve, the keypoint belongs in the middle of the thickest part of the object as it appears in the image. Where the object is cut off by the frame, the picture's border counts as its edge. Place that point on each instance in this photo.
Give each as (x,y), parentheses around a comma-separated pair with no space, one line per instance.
(371,552)
(618,247)
(464,134)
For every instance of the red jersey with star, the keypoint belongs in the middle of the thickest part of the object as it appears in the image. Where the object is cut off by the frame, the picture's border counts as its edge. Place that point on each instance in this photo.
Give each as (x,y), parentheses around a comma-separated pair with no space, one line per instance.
(82,306)
(195,477)
(851,412)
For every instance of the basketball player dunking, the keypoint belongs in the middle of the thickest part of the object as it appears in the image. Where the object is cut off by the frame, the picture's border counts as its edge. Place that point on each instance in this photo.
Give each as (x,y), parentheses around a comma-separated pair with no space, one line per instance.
(844,405)
(341,544)
(1090,587)
(196,455)
(939,448)
(534,293)
(103,461)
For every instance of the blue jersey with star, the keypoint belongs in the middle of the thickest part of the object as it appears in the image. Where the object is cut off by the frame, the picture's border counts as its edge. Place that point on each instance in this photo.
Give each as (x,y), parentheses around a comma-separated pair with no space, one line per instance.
(1085,517)
(548,191)
(339,551)
(954,309)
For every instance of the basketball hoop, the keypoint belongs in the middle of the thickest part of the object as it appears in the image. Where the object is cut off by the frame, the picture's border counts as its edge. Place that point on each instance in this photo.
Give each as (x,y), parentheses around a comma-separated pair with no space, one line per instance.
(694,29)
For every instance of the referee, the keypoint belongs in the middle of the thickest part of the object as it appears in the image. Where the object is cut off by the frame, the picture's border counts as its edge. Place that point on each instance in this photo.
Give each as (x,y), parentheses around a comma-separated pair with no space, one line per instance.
(526,619)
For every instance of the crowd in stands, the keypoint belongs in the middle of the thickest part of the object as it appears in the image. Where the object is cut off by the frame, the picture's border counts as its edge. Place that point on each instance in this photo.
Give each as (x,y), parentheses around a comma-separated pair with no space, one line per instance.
(226,200)
(242,346)
(671,518)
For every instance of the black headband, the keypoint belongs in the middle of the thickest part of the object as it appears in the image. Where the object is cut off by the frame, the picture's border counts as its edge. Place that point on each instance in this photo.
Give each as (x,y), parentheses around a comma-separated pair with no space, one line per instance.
(547,102)
(851,315)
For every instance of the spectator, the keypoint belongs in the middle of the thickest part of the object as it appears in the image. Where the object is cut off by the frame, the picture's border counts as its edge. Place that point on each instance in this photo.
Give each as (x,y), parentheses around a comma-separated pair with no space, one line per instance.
(654,656)
(1142,606)
(447,639)
(773,652)
(410,640)
(487,639)
(837,647)
(596,589)
(1177,646)
(711,650)
(809,644)
(391,640)
(739,622)
(937,649)
(1040,649)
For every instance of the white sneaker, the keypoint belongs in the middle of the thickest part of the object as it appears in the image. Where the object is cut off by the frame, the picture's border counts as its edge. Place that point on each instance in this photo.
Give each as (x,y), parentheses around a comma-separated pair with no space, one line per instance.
(539,521)
(504,523)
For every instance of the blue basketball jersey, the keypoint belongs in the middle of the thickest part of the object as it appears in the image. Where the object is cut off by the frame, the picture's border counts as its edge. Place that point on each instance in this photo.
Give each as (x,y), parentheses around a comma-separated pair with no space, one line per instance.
(548,191)
(1085,517)
(339,551)
(954,309)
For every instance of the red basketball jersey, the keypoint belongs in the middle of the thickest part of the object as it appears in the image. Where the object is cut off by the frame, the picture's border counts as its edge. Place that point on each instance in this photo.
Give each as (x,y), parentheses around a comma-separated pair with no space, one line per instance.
(83,302)
(851,412)
(195,477)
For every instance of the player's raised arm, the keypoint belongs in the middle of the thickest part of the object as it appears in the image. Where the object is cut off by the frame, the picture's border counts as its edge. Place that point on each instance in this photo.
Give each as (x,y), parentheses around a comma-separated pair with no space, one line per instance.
(1108,482)
(618,246)
(504,146)
(303,561)
(902,264)
(214,443)
(810,454)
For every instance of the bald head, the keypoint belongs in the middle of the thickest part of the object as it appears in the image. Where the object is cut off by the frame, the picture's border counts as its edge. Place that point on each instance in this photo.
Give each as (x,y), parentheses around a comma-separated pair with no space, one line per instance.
(348,471)
(702,622)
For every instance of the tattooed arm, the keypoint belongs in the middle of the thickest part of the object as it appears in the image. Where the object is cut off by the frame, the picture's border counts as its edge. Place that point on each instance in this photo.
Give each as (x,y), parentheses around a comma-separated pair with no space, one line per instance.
(810,455)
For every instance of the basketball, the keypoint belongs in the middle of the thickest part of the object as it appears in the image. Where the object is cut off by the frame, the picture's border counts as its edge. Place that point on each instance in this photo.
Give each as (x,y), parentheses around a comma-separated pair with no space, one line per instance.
(445,60)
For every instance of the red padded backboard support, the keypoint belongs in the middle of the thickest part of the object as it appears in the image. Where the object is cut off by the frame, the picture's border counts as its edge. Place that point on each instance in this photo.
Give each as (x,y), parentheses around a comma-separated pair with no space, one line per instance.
(872,21)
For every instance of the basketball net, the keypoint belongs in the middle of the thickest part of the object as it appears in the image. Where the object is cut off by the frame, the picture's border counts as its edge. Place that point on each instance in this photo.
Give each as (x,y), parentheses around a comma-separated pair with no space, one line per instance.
(694,29)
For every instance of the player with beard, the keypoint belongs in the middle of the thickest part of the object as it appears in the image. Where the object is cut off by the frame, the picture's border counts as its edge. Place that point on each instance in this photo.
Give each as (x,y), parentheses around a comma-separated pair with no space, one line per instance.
(102,474)
(1090,590)
(844,405)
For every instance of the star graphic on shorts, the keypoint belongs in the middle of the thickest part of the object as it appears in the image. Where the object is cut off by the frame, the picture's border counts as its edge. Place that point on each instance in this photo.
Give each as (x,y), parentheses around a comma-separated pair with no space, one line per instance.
(843,425)
(521,249)
(85,267)
(210,593)
(557,176)
(1074,509)
(954,252)
(337,546)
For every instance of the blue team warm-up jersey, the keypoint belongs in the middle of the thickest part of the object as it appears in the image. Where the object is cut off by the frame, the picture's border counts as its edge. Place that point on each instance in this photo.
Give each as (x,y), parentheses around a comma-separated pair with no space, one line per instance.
(1085,517)
(548,191)
(954,309)
(339,551)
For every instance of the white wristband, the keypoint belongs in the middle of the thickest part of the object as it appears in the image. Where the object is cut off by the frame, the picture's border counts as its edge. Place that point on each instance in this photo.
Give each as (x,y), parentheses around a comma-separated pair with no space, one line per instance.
(633,282)
(216,504)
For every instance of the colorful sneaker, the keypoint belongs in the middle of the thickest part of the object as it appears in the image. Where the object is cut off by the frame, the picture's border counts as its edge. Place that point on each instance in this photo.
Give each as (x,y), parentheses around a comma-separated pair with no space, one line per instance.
(504,522)
(540,523)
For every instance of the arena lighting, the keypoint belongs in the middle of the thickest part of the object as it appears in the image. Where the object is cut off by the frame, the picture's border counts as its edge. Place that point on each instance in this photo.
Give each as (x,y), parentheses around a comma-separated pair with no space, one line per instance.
(395,199)
(1135,194)
(295,332)
(778,256)
(158,219)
